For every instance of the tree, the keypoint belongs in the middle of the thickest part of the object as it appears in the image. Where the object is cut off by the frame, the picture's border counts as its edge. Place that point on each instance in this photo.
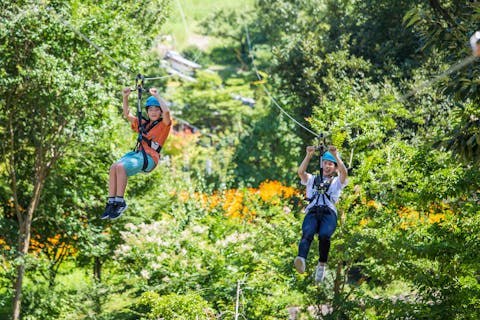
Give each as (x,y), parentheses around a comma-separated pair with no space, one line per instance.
(350,90)
(444,30)
(51,90)
(230,25)
(268,149)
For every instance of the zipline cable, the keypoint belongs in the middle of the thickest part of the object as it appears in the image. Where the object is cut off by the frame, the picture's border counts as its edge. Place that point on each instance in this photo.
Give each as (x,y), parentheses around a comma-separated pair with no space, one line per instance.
(81,35)
(99,49)
(187,29)
(403,99)
(184,20)
(265,88)
(463,63)
(139,77)
(157,78)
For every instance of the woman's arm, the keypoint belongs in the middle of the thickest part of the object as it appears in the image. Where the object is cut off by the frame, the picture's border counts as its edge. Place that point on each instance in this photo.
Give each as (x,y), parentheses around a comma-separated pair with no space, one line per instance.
(341,168)
(302,169)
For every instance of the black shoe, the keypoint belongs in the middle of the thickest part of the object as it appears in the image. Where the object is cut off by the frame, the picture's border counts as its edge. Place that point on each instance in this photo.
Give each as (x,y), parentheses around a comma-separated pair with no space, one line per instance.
(110,209)
(119,208)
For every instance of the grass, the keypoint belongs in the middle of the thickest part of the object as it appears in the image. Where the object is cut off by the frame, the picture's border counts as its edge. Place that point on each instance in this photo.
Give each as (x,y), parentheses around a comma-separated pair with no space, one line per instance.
(393,289)
(187,14)
(5,311)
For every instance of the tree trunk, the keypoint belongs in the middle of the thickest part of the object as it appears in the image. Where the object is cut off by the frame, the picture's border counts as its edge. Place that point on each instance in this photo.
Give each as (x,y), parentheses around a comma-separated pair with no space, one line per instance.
(25,223)
(338,282)
(23,250)
(97,270)
(18,293)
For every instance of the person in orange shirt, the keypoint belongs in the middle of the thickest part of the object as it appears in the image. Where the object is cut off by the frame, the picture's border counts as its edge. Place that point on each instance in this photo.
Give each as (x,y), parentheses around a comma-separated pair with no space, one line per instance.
(154,134)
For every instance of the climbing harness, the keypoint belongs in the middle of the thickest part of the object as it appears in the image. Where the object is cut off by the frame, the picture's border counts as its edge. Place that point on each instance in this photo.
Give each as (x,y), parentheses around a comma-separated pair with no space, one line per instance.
(144,126)
(321,184)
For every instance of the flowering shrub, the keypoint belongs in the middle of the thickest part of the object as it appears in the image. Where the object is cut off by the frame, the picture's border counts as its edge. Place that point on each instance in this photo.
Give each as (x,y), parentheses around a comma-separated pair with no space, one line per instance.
(53,246)
(244,203)
(435,213)
(175,306)
(208,244)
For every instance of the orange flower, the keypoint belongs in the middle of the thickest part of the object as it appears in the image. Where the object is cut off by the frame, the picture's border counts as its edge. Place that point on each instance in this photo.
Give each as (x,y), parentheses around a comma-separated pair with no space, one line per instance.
(374,204)
(183,196)
(236,203)
(364,222)
(272,191)
(4,245)
(410,217)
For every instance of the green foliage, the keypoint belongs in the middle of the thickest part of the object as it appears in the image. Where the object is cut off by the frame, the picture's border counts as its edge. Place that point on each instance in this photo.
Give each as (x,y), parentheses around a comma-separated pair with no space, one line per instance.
(186,17)
(198,249)
(227,25)
(261,156)
(53,95)
(464,138)
(207,104)
(373,30)
(197,244)
(444,29)
(39,302)
(175,306)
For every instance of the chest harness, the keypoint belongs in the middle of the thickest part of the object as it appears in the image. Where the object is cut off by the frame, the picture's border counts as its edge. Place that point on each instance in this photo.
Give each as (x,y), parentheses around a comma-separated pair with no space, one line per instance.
(320,184)
(144,128)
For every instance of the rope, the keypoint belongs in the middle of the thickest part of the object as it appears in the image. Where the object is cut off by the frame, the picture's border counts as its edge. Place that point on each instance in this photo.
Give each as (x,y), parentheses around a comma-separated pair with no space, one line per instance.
(265,88)
(59,18)
(187,29)
(157,78)
(184,20)
(425,84)
(402,99)
(84,37)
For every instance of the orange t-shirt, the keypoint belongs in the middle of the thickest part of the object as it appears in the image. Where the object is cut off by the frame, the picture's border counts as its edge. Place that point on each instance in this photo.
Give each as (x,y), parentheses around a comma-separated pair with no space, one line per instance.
(158,134)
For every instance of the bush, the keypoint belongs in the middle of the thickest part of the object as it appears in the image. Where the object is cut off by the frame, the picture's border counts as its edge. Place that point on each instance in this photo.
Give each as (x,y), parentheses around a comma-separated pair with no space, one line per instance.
(175,306)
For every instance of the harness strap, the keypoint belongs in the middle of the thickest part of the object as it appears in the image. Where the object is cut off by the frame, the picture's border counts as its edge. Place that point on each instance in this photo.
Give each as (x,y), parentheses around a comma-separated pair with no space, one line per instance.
(145,160)
(324,194)
(320,210)
(152,144)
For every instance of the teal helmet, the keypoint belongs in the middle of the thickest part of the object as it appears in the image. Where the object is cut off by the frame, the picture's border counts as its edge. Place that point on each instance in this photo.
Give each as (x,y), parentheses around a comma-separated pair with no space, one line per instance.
(328,156)
(152,102)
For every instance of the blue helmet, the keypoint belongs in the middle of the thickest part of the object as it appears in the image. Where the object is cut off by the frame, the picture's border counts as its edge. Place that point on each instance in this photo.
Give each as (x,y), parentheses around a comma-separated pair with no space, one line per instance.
(152,102)
(328,156)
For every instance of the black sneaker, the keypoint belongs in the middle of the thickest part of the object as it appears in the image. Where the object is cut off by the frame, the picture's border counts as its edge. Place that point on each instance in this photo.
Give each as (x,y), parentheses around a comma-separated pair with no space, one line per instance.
(110,209)
(119,208)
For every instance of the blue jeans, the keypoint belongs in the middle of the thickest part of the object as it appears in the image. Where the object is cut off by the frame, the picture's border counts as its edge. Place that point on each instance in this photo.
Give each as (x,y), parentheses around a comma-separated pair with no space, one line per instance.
(322,222)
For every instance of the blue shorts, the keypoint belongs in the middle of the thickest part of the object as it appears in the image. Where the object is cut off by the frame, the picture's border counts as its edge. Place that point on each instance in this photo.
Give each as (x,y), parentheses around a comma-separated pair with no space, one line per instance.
(133,163)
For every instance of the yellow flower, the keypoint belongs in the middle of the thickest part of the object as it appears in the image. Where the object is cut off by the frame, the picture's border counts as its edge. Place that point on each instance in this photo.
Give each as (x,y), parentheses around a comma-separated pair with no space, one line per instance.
(364,222)
(436,218)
